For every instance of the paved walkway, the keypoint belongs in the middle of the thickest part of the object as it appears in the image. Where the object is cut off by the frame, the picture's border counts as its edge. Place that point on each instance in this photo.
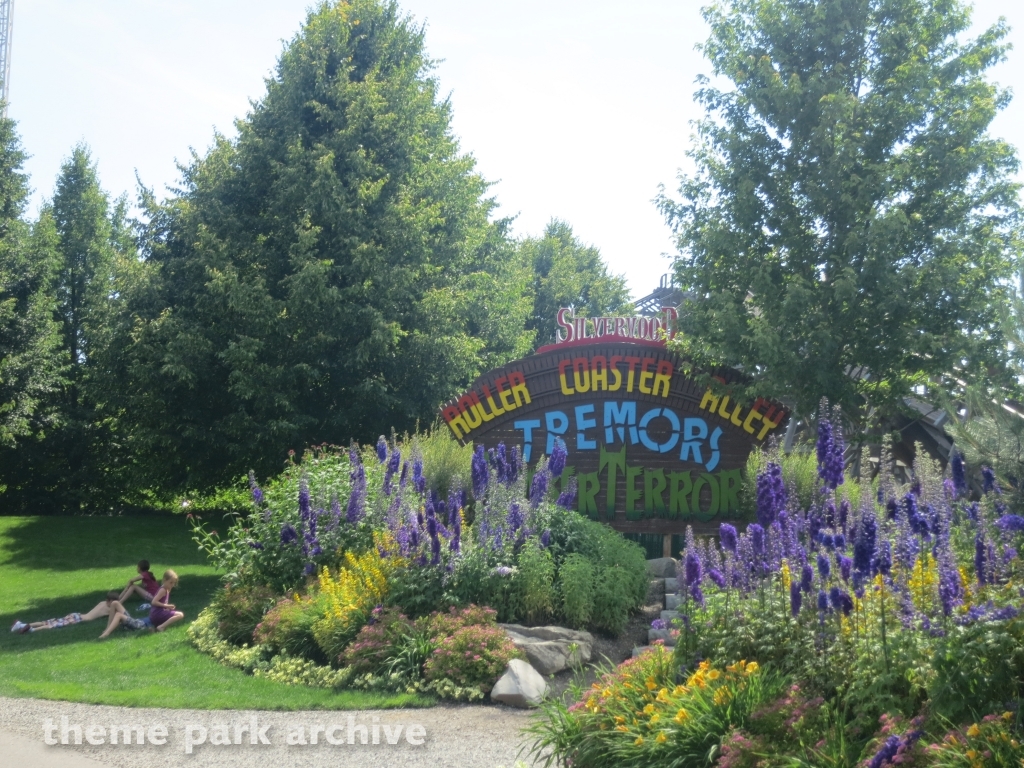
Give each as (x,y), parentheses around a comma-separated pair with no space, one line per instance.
(464,736)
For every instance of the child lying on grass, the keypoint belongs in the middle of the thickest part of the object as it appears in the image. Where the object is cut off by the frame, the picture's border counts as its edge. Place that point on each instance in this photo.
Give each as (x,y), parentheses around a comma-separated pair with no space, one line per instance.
(110,607)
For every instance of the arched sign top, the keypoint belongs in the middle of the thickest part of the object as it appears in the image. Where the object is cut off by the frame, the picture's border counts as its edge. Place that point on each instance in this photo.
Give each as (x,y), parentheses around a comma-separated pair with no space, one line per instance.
(651,450)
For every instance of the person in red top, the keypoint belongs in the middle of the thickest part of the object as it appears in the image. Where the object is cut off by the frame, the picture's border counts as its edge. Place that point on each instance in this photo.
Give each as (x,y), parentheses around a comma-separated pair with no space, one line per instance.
(149,585)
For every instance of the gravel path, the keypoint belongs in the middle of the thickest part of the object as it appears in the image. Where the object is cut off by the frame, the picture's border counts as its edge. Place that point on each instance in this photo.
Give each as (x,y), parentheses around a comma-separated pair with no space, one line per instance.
(469,736)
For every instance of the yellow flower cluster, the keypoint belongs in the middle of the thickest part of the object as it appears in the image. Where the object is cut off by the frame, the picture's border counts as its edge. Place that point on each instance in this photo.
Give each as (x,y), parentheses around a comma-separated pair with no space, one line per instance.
(641,702)
(348,598)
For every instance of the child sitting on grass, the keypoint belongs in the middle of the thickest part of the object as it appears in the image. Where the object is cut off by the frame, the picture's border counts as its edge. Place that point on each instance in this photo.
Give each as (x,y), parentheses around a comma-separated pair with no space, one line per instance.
(162,614)
(146,590)
(109,607)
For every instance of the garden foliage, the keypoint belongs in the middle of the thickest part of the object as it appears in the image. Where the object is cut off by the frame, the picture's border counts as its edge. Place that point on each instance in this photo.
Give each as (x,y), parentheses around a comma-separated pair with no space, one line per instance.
(896,621)
(352,560)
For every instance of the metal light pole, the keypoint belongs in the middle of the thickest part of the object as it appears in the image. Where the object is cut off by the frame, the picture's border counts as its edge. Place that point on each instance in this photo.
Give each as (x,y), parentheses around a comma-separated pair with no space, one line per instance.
(6,26)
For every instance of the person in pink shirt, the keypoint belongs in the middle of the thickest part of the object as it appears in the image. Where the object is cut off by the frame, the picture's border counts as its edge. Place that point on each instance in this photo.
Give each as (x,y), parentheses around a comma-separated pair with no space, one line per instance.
(148,587)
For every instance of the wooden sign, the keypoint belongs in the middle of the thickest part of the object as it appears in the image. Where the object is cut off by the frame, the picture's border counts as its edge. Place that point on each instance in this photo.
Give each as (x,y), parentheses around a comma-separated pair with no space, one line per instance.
(652,452)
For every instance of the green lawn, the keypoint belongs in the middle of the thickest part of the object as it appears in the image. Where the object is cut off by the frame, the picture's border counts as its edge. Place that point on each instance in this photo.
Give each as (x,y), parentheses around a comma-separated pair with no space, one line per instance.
(50,566)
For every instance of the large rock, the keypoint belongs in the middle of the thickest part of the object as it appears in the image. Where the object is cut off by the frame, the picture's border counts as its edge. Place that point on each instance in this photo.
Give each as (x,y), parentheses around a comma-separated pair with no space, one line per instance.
(671,586)
(552,649)
(520,686)
(673,601)
(662,568)
(667,635)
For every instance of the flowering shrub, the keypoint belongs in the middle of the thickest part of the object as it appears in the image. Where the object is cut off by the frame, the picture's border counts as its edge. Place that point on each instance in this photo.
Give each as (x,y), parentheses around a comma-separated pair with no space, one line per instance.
(239,608)
(346,600)
(372,647)
(991,743)
(473,656)
(638,714)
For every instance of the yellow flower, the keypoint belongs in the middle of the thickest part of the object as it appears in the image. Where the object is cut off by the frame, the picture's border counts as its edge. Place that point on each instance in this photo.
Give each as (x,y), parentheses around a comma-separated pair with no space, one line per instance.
(974,730)
(621,728)
(971,754)
(651,685)
(655,718)
(661,738)
(681,716)
(680,690)
(620,719)
(786,576)
(714,674)
(1007,716)
(639,741)
(752,668)
(722,696)
(648,709)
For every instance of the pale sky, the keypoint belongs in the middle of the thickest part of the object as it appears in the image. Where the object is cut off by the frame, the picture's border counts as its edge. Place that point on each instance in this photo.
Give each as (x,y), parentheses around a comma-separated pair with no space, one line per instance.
(576,110)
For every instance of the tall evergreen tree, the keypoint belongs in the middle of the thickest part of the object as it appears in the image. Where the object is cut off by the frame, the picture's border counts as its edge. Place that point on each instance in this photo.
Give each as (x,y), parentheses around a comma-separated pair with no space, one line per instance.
(30,360)
(568,273)
(852,227)
(329,274)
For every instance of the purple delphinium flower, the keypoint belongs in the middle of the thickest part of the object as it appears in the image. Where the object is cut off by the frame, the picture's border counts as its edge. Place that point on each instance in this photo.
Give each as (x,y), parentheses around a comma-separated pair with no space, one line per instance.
(382,449)
(357,496)
(824,567)
(539,487)
(419,482)
(567,498)
(796,598)
(891,509)
(516,517)
(659,624)
(1010,523)
(979,558)
(404,478)
(304,504)
(771,494)
(515,464)
(883,558)
(844,514)
(545,539)
(756,538)
(806,578)
(556,463)
(310,569)
(822,601)
(501,464)
(830,454)
(727,535)
(257,492)
(256,545)
(697,594)
(693,570)
(479,472)
(845,567)
(394,461)
(988,481)
(840,542)
(716,576)
(893,746)
(864,544)
(288,534)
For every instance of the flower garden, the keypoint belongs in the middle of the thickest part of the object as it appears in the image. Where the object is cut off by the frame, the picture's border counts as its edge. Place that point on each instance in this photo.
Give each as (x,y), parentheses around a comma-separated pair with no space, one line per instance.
(858,623)
(384,570)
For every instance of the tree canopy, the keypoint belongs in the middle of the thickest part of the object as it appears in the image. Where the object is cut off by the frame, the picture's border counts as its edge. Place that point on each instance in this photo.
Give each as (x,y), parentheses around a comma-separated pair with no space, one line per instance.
(567,273)
(851,229)
(328,275)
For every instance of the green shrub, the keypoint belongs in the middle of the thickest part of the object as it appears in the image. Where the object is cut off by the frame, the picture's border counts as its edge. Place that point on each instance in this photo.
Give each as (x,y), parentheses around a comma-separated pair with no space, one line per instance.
(443,624)
(239,608)
(979,669)
(445,460)
(474,656)
(288,627)
(535,582)
(576,579)
(372,648)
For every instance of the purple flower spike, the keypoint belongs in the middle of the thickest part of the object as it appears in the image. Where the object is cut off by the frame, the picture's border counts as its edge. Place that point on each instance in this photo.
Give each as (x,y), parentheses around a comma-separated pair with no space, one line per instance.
(756,538)
(539,488)
(806,578)
(257,492)
(716,576)
(382,449)
(693,570)
(288,534)
(988,481)
(845,567)
(864,544)
(771,494)
(567,498)
(419,482)
(796,598)
(558,457)
(479,472)
(822,601)
(883,558)
(545,539)
(824,567)
(727,535)
(1010,523)
(830,449)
